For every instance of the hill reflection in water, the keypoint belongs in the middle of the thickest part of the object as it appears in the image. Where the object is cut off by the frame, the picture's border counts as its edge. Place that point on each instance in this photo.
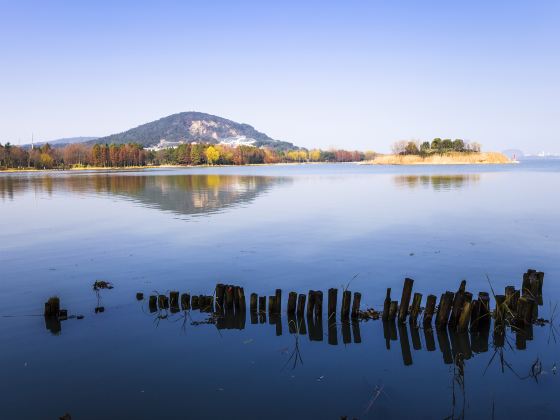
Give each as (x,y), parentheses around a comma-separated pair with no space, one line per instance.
(181,194)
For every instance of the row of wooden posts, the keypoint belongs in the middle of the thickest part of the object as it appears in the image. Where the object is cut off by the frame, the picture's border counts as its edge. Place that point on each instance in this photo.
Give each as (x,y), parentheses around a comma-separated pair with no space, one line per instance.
(458,311)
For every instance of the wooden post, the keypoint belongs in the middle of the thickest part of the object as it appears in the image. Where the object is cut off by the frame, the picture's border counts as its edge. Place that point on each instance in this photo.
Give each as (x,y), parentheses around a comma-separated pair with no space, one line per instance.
(386,305)
(484,308)
(163,302)
(465,317)
(356,305)
(278,301)
(444,309)
(430,309)
(415,309)
(319,304)
(524,314)
(300,305)
(241,303)
(345,308)
(52,306)
(540,278)
(405,299)
(310,303)
(139,296)
(174,299)
(271,305)
(475,314)
(152,303)
(393,308)
(236,302)
(510,298)
(333,295)
(262,304)
(229,296)
(220,292)
(195,304)
(253,303)
(457,305)
(292,298)
(185,301)
(500,309)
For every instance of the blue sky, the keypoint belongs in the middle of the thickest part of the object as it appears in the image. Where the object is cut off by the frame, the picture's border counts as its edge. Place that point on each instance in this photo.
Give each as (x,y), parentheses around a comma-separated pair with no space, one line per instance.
(352,74)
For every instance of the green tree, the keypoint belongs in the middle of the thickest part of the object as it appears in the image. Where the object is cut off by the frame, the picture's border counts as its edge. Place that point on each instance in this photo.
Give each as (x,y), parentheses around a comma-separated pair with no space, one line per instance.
(458,145)
(447,144)
(436,144)
(411,148)
(425,147)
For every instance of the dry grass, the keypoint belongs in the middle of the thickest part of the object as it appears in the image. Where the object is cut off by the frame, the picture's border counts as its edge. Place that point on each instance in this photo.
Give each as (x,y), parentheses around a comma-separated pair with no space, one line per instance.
(453,158)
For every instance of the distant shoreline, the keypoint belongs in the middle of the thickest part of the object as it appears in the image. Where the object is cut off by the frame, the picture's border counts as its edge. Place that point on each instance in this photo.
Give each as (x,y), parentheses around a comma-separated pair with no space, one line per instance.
(452,158)
(136,168)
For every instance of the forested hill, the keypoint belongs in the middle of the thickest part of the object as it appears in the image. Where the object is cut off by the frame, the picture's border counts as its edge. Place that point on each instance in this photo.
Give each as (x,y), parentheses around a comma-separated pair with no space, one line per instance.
(193,127)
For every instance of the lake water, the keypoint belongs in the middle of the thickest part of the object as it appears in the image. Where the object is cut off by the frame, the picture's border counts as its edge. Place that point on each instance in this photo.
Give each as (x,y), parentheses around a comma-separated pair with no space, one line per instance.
(291,227)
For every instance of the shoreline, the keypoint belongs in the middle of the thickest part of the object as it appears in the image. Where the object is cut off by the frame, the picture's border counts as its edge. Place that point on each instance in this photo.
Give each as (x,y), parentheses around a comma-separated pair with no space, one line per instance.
(452,158)
(136,168)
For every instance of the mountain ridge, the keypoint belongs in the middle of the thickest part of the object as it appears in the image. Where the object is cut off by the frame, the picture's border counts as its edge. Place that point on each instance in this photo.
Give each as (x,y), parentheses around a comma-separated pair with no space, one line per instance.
(191,126)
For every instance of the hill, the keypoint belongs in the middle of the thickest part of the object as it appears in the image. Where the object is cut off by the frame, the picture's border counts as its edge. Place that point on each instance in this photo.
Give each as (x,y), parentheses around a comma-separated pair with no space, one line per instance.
(194,127)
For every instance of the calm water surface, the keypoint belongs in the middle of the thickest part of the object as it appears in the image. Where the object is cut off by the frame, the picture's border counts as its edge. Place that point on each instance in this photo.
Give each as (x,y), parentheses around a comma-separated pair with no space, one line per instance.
(290,227)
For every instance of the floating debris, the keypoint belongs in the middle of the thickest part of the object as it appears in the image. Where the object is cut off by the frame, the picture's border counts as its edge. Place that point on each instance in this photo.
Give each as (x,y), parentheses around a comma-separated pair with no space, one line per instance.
(101,284)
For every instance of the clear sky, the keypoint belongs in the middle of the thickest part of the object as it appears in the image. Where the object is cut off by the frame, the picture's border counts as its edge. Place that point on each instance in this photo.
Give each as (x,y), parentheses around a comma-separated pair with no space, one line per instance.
(352,74)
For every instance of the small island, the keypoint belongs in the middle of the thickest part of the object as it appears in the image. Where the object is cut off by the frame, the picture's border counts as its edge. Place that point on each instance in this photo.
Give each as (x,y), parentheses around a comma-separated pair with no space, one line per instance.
(438,152)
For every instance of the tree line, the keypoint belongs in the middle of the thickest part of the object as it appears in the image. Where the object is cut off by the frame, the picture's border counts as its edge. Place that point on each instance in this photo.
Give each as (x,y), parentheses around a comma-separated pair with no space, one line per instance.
(437,145)
(132,154)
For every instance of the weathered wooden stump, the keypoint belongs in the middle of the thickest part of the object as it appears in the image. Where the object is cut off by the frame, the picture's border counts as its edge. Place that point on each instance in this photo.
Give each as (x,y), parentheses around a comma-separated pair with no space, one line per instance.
(393,309)
(52,307)
(331,310)
(195,304)
(292,301)
(415,308)
(430,309)
(300,305)
(278,301)
(405,299)
(444,310)
(319,303)
(163,302)
(152,303)
(253,303)
(501,309)
(220,295)
(271,305)
(229,296)
(356,305)
(262,304)
(241,303)
(345,307)
(310,303)
(465,317)
(174,299)
(386,305)
(457,305)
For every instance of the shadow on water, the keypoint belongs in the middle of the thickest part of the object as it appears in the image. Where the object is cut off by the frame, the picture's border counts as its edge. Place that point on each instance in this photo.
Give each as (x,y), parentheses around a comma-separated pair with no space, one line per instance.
(181,194)
(437,182)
